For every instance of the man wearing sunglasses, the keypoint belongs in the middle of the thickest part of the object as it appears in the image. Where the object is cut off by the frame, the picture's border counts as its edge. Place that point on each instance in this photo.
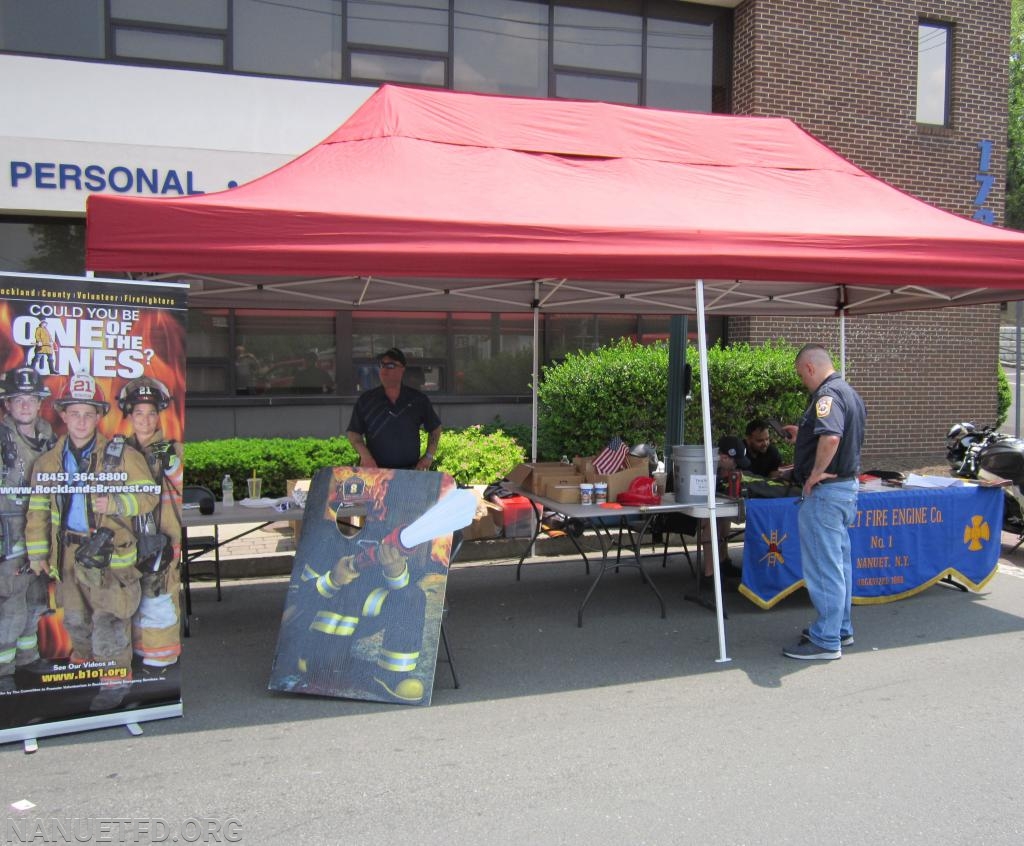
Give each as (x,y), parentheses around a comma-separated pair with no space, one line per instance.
(386,421)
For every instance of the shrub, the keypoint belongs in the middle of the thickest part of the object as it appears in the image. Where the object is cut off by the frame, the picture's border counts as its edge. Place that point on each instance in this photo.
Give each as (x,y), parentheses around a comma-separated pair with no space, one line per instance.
(475,457)
(470,456)
(1004,397)
(275,460)
(746,383)
(521,433)
(621,389)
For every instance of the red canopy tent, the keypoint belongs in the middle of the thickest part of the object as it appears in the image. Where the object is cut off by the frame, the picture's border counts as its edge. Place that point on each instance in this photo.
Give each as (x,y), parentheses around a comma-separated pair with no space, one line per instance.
(440,200)
(492,194)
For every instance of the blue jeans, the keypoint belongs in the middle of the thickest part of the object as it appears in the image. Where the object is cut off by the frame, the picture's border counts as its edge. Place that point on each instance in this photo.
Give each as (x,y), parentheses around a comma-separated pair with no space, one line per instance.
(825,517)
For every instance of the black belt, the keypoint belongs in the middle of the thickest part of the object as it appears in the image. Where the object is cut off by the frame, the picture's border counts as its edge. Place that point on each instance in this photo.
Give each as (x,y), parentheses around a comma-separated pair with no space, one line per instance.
(74,538)
(837,479)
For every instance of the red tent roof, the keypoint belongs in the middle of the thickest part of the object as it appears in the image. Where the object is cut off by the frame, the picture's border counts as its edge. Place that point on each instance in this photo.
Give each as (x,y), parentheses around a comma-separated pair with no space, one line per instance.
(618,208)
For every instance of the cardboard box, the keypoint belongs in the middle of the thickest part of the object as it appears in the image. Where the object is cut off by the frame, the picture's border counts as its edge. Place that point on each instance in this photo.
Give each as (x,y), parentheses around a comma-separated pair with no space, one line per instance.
(568,492)
(555,486)
(532,476)
(515,516)
(618,482)
(483,526)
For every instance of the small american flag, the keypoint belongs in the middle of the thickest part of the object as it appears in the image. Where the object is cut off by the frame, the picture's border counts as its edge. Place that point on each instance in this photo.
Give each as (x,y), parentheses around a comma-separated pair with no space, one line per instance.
(612,457)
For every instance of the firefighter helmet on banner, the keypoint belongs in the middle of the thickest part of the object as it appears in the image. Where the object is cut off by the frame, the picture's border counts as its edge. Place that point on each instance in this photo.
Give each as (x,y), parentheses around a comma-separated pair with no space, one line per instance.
(144,389)
(82,388)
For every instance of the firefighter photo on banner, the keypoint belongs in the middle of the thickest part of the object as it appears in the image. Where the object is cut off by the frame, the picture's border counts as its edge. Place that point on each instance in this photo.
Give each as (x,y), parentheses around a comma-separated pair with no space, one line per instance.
(92,389)
(362,618)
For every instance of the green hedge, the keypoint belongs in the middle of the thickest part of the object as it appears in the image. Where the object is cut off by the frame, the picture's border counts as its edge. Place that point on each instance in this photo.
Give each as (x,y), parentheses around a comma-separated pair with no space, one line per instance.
(622,389)
(275,460)
(471,456)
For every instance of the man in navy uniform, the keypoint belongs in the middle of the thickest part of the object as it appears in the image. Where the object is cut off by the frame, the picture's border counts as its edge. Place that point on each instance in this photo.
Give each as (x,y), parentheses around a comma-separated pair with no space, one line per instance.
(827,462)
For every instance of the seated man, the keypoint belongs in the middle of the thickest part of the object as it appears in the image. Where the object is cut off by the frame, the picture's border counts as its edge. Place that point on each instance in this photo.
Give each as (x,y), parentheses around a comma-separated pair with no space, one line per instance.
(764,457)
(732,456)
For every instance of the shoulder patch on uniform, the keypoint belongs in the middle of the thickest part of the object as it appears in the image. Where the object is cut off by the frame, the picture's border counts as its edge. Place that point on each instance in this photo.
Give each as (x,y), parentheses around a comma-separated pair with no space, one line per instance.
(823,407)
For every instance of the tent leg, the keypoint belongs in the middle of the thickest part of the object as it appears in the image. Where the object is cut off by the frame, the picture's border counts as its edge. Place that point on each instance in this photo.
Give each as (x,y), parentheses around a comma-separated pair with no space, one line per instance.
(709,467)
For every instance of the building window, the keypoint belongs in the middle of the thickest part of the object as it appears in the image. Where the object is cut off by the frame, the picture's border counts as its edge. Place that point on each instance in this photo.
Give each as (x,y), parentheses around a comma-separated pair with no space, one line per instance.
(492,354)
(679,65)
(208,341)
(41,245)
(186,32)
(73,28)
(410,24)
(501,47)
(168,47)
(934,72)
(300,38)
(423,337)
(660,53)
(380,66)
(284,352)
(597,54)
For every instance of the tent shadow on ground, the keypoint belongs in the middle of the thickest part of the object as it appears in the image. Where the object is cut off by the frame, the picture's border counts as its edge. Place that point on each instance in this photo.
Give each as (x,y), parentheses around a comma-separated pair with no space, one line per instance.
(512,639)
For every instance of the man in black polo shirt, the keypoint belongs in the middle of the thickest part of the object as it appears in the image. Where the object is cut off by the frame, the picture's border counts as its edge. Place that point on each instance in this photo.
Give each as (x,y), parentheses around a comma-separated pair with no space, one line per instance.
(386,421)
(763,456)
(826,465)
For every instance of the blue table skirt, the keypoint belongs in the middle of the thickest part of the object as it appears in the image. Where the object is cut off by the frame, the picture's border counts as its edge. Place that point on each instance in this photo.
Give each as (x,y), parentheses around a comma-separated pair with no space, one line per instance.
(903,541)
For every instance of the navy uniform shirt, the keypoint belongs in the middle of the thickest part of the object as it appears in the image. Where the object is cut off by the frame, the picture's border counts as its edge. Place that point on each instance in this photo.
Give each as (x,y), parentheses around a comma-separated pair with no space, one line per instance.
(835,409)
(392,432)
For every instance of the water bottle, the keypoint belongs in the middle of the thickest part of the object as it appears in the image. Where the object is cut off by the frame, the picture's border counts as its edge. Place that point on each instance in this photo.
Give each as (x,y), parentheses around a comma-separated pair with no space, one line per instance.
(227,488)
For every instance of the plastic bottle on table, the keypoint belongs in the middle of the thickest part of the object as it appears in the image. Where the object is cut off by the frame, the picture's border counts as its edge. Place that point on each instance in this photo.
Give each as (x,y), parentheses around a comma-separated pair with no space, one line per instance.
(227,488)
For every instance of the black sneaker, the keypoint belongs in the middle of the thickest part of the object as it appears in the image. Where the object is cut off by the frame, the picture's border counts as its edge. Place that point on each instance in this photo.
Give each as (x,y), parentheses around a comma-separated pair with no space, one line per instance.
(811,652)
(844,640)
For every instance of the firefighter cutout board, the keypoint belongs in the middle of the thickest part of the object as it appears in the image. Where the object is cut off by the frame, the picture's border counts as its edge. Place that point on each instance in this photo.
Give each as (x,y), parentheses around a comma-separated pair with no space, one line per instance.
(92,390)
(362,618)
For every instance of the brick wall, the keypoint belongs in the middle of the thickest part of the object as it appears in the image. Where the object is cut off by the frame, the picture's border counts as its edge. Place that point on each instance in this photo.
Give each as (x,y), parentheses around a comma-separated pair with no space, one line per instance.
(846,70)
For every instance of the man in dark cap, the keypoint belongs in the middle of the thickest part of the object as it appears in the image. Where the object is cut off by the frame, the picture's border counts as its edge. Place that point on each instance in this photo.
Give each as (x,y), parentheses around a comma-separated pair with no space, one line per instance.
(386,421)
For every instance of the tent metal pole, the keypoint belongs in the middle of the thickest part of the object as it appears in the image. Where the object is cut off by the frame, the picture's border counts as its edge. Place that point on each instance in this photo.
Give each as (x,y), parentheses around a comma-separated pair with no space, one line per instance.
(841,309)
(1017,367)
(536,370)
(842,344)
(709,467)
(674,424)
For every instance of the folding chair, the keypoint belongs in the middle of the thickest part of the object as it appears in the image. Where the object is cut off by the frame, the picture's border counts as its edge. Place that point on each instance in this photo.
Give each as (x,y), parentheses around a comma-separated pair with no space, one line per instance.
(193,547)
(682,525)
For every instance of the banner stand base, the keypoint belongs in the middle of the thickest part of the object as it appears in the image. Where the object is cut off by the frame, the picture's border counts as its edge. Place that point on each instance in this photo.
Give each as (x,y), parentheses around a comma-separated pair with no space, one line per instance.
(30,735)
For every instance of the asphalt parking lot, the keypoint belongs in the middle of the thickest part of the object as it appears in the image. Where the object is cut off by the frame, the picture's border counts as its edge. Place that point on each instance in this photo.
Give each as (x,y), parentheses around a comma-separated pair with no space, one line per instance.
(626,730)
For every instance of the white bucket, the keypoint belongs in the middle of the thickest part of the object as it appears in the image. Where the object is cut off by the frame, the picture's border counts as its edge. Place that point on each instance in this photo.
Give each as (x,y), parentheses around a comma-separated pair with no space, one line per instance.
(688,471)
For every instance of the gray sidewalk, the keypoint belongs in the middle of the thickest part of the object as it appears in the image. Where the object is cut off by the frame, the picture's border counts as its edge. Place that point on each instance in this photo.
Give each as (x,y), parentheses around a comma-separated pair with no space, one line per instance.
(626,731)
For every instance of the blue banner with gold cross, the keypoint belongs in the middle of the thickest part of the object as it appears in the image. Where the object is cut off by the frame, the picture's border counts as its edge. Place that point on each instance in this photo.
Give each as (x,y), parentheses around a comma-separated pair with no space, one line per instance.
(902,541)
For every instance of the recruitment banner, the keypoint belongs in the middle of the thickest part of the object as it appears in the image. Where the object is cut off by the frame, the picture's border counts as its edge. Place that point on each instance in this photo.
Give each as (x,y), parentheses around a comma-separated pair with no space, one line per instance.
(363,614)
(902,541)
(92,389)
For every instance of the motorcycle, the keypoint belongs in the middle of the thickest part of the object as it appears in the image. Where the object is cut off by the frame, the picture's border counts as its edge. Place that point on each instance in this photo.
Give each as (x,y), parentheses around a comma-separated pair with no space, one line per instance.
(975,452)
